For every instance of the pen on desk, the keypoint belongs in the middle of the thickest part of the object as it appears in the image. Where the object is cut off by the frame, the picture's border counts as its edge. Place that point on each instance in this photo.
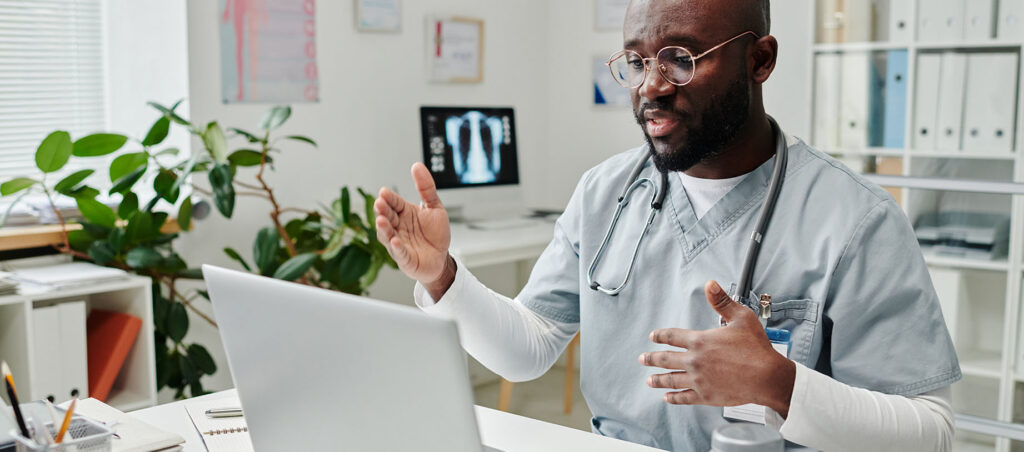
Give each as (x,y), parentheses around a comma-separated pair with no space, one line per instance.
(67,421)
(224,412)
(13,396)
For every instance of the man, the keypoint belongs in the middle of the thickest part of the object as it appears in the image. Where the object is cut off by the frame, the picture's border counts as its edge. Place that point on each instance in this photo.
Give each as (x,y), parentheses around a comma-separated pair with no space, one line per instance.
(870,360)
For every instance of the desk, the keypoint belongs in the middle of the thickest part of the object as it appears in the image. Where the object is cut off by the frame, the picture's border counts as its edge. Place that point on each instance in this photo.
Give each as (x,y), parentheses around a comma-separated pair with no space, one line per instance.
(504,431)
(477,248)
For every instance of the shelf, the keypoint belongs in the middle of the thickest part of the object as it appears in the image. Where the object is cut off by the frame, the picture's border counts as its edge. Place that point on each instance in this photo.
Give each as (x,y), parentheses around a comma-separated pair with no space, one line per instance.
(981,364)
(957,262)
(858,46)
(879,152)
(969,45)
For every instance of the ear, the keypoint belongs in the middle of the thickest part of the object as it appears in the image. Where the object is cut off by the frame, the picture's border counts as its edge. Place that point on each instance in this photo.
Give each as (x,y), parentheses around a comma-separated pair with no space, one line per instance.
(764,53)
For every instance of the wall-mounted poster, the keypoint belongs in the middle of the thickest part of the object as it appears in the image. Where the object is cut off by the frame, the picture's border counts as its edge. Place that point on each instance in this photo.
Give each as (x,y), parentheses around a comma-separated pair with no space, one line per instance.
(608,92)
(268,51)
(609,14)
(456,50)
(379,15)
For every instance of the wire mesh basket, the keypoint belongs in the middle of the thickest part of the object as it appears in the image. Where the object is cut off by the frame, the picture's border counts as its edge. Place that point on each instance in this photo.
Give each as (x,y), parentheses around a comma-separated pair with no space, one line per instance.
(83,435)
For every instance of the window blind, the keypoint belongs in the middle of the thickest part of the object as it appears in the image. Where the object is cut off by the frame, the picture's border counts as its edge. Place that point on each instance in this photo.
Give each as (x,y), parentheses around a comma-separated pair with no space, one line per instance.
(51,76)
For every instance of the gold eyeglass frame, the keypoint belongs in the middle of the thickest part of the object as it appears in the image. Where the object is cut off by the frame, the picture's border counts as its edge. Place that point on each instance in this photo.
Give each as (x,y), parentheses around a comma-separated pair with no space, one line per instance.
(661,68)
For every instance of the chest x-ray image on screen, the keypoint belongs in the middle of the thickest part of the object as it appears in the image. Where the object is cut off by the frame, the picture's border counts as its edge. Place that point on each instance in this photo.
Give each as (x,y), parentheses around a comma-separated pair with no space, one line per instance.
(466,146)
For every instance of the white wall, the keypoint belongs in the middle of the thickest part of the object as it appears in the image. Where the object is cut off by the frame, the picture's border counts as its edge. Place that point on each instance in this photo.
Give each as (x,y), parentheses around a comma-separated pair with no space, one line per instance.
(537,59)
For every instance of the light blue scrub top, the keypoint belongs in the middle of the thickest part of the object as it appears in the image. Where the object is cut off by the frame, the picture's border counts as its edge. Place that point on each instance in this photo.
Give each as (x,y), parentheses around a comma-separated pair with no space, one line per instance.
(840,260)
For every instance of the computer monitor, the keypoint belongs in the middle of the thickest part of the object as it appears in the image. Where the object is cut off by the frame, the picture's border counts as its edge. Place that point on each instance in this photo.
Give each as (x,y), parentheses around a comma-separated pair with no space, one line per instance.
(471,153)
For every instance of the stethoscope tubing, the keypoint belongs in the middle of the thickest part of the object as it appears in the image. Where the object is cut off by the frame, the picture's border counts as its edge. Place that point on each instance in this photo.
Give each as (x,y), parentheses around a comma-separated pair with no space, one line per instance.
(753,250)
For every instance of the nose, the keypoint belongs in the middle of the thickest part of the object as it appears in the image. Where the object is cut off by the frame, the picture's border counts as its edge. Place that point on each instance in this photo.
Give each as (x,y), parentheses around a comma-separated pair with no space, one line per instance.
(655,85)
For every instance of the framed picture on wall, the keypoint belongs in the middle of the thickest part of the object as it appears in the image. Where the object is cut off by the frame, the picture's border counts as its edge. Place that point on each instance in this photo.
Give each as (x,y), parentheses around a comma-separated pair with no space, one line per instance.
(607,92)
(609,14)
(384,16)
(455,50)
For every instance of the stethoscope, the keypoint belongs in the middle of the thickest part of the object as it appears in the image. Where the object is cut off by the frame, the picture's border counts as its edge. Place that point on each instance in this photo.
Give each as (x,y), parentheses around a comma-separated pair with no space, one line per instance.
(633,183)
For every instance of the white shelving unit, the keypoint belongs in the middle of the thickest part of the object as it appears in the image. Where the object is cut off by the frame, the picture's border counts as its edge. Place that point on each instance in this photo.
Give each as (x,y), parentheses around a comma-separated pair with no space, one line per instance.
(985,314)
(135,386)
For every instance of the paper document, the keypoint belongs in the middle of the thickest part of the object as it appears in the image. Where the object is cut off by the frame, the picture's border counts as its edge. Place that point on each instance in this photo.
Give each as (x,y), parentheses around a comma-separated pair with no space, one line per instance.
(135,435)
(225,434)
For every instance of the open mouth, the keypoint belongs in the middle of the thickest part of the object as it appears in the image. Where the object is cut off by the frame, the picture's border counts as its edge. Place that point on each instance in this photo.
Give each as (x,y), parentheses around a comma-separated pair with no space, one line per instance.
(661,126)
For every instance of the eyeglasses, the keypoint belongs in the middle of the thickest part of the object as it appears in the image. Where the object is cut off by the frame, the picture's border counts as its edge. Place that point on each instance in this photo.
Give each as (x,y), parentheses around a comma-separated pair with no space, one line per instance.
(676,64)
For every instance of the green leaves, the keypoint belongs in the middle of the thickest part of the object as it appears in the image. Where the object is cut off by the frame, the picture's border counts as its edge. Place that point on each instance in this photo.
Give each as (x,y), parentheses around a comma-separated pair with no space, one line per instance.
(101,252)
(202,359)
(177,322)
(246,157)
(264,250)
(223,189)
(127,163)
(68,184)
(169,112)
(96,212)
(143,257)
(215,142)
(53,153)
(275,117)
(158,132)
(295,267)
(15,185)
(237,258)
(185,215)
(98,144)
(302,139)
(129,205)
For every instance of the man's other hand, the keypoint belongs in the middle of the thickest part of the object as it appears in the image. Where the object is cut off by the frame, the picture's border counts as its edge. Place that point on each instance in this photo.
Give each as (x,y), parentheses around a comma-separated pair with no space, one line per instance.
(417,236)
(727,366)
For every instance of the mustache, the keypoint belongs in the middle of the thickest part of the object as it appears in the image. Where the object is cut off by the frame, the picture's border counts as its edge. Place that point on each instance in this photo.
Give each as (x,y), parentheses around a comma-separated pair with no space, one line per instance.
(638,113)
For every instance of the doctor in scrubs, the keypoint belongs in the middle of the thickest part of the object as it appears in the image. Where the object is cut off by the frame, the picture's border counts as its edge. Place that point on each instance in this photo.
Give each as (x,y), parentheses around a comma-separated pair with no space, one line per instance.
(869,362)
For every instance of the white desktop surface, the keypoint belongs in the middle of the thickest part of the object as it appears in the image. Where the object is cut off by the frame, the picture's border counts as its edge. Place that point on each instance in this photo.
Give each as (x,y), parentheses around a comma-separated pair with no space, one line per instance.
(475,247)
(504,431)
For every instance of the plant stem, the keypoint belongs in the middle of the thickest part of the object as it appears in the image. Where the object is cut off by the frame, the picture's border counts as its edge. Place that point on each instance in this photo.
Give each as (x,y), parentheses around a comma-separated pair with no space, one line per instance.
(275,214)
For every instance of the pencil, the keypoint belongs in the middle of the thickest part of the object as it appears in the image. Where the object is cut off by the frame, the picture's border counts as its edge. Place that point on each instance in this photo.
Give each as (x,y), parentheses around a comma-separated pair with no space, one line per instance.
(67,421)
(14,399)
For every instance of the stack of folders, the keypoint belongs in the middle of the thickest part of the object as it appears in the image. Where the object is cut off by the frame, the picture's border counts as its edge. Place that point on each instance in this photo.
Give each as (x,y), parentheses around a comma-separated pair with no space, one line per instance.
(860,100)
(65,276)
(8,286)
(220,434)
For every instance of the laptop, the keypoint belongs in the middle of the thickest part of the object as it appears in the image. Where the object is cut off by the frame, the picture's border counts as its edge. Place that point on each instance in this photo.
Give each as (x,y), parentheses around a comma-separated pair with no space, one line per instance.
(322,370)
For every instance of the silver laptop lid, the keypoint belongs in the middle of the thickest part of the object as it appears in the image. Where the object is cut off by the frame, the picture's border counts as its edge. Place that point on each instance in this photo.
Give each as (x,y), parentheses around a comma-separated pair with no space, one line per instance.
(323,370)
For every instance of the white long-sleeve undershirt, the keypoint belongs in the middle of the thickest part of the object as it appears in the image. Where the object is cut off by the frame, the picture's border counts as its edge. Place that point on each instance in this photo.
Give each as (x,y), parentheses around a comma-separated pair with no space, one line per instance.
(519,344)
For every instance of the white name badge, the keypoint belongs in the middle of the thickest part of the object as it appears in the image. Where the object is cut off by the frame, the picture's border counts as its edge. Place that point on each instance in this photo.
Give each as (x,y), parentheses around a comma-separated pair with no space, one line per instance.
(752,412)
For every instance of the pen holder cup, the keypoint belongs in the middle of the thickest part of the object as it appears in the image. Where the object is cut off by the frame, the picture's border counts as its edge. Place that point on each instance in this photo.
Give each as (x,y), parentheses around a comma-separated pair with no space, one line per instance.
(83,435)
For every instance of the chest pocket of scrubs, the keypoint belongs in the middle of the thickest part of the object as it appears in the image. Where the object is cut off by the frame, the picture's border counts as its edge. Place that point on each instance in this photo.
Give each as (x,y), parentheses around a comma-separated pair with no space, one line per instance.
(800,318)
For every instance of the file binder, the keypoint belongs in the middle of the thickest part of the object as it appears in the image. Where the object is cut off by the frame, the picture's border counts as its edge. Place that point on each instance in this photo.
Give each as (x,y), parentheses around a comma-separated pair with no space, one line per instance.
(876,102)
(899,20)
(829,22)
(926,100)
(827,68)
(894,135)
(990,103)
(46,375)
(1011,20)
(75,362)
(979,17)
(940,20)
(951,101)
(853,112)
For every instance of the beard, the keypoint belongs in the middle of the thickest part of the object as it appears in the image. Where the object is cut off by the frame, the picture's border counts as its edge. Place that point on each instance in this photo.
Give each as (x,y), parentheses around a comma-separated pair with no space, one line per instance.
(719,123)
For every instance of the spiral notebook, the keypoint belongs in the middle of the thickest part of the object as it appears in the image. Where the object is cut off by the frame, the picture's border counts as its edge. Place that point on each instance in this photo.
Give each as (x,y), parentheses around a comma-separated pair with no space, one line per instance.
(225,434)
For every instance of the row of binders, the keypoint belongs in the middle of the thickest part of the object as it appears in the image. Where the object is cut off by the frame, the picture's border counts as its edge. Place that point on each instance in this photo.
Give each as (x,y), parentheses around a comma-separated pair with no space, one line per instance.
(937,20)
(962,101)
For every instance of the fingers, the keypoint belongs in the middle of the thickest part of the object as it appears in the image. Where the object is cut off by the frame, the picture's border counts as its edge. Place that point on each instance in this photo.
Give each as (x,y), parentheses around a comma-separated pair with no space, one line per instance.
(673,380)
(664,360)
(391,199)
(383,210)
(676,337)
(721,302)
(425,185)
(687,397)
